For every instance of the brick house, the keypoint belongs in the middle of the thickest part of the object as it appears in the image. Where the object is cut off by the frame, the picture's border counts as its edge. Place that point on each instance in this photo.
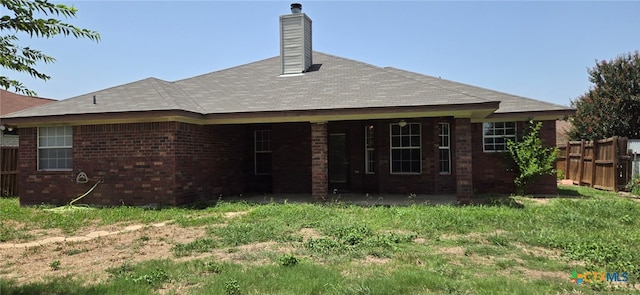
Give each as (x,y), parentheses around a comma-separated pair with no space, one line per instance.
(11,102)
(303,122)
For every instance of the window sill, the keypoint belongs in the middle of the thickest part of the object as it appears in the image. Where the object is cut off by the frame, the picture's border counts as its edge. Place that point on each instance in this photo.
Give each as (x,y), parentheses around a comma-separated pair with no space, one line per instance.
(491,152)
(406,173)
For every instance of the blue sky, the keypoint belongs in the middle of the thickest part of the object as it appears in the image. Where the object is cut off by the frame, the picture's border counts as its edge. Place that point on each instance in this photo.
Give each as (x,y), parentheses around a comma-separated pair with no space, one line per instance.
(534,49)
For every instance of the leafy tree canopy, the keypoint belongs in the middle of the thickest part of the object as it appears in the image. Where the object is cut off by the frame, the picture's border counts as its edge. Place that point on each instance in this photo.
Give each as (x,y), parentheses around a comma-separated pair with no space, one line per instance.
(29,17)
(612,106)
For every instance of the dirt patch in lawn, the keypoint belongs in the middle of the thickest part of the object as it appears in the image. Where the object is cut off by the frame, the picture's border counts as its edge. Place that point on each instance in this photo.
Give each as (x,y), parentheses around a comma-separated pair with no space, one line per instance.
(309,233)
(475,236)
(90,258)
(543,275)
(235,214)
(375,260)
(455,251)
(90,252)
(540,201)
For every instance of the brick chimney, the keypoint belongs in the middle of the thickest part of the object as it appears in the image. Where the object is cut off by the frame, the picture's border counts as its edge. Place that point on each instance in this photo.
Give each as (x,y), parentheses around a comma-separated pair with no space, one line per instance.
(295,41)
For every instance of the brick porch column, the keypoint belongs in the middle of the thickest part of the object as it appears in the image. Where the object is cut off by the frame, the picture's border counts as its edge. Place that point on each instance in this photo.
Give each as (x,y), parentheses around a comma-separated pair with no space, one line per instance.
(464,171)
(319,167)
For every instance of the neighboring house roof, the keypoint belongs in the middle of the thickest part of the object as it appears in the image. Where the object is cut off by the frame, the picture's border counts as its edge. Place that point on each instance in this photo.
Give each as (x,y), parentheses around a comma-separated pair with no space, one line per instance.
(332,83)
(11,102)
(562,127)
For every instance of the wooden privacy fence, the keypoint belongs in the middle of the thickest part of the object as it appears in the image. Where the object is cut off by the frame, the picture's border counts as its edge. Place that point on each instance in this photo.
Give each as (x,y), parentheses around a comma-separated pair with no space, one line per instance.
(602,164)
(8,171)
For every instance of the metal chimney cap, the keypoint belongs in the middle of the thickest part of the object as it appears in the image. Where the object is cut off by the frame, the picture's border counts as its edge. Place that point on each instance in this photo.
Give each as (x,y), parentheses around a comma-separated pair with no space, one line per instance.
(296,7)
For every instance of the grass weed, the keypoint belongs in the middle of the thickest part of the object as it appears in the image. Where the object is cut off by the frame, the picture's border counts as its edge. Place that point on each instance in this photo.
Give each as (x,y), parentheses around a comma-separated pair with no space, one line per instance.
(199,245)
(514,246)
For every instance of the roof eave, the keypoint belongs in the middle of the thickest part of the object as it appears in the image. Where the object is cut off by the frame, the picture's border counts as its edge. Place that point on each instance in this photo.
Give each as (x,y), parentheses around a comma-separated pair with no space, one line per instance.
(475,110)
(529,115)
(105,118)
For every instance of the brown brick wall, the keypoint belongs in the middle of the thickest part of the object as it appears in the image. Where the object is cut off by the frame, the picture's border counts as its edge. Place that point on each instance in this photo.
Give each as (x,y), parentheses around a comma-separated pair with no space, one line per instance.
(492,174)
(42,188)
(135,161)
(319,157)
(172,163)
(210,162)
(166,163)
(464,162)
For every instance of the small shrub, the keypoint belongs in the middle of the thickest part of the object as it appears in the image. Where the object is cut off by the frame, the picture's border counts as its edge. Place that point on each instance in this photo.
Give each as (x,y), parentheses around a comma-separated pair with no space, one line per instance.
(232,287)
(288,260)
(352,235)
(634,185)
(55,265)
(560,174)
(531,158)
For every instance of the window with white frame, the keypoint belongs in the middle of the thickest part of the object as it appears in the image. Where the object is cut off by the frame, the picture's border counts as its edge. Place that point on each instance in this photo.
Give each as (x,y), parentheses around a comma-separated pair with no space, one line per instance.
(55,148)
(496,134)
(369,150)
(444,134)
(262,151)
(405,148)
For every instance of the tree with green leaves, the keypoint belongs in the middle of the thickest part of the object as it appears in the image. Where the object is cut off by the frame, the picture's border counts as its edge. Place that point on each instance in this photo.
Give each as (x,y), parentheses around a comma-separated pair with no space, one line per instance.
(29,17)
(612,106)
(531,158)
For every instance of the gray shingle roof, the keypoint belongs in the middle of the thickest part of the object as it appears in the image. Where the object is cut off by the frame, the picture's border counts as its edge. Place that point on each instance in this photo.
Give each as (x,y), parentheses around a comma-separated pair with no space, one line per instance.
(509,103)
(334,83)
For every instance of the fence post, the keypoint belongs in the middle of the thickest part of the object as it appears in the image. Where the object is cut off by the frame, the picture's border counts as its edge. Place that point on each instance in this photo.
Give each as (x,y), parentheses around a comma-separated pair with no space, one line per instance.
(581,162)
(615,164)
(567,156)
(593,162)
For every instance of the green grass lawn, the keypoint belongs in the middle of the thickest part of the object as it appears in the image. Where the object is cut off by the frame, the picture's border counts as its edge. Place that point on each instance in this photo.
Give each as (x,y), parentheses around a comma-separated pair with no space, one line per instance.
(510,246)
